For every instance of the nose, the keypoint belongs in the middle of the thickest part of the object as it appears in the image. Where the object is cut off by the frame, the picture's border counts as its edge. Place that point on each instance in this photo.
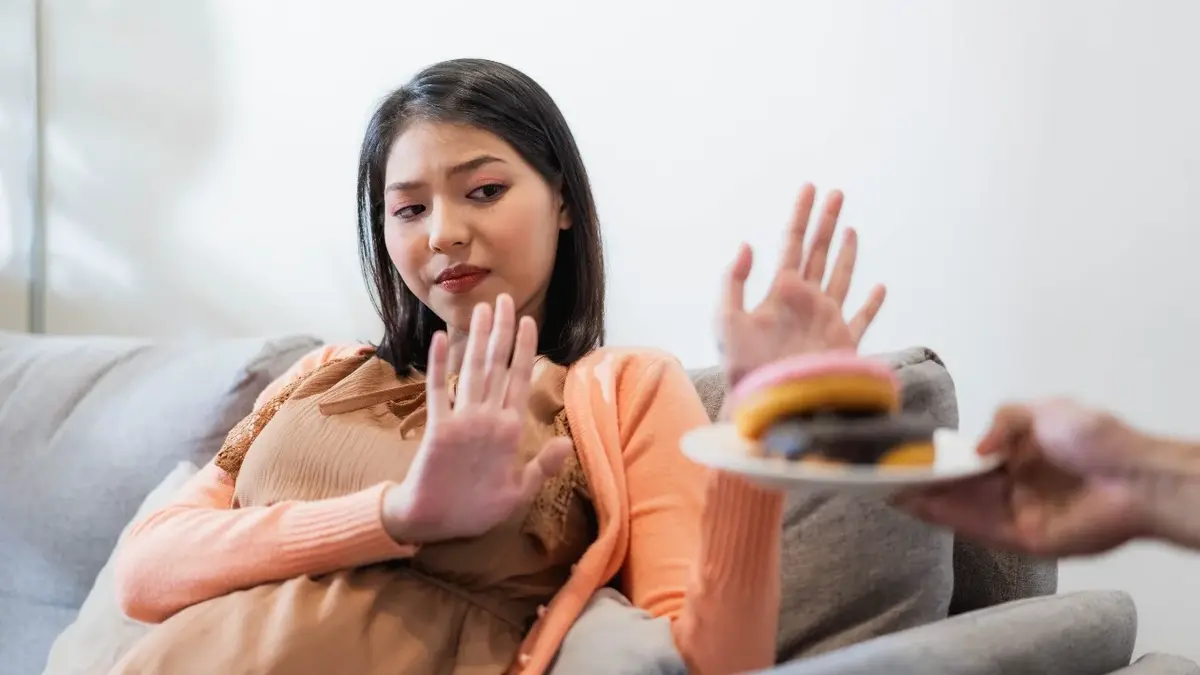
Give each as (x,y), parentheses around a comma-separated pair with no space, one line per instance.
(447,230)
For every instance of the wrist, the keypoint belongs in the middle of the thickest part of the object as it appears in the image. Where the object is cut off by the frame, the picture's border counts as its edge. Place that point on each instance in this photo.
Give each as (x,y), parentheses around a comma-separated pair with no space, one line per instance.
(732,375)
(400,520)
(1166,490)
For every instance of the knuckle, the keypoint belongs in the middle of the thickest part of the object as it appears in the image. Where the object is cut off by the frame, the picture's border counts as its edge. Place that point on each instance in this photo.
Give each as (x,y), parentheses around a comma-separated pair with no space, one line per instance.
(1098,426)
(1039,544)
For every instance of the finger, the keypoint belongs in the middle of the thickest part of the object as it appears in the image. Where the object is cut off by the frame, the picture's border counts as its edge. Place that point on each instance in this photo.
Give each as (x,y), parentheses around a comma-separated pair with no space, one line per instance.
(500,350)
(818,252)
(521,372)
(793,245)
(1090,440)
(548,462)
(437,399)
(862,320)
(1083,440)
(843,267)
(1008,424)
(735,281)
(472,378)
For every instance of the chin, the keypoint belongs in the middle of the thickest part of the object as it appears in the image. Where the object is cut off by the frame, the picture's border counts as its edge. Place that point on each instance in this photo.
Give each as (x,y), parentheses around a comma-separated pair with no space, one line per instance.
(456,313)
(456,308)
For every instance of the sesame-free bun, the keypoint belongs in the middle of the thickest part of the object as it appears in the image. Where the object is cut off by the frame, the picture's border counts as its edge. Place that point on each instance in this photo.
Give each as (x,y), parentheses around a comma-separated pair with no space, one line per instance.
(837,382)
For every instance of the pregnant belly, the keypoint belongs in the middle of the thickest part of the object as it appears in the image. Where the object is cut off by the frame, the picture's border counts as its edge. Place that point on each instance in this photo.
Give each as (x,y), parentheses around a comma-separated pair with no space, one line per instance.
(368,621)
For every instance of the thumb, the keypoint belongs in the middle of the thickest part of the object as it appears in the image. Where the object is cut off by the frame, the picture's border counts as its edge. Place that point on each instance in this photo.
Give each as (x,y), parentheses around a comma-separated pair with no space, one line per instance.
(1010,423)
(735,281)
(548,462)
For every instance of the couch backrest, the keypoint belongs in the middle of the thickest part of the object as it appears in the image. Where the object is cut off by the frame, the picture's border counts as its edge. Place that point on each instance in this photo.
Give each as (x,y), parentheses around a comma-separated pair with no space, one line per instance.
(88,426)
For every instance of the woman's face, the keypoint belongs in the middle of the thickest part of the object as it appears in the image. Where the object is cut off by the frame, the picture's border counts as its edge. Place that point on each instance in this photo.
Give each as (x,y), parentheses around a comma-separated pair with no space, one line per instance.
(467,219)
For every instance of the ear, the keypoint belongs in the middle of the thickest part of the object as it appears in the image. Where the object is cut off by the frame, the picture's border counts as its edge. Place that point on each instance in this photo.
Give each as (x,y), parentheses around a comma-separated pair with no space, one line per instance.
(564,216)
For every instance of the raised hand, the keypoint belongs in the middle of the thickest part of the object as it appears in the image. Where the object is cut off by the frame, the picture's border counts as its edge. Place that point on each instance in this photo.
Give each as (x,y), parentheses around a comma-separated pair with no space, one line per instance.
(468,476)
(798,315)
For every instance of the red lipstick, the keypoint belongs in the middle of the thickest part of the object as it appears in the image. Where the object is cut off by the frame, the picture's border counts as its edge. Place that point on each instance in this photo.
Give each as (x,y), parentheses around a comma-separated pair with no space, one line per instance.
(460,278)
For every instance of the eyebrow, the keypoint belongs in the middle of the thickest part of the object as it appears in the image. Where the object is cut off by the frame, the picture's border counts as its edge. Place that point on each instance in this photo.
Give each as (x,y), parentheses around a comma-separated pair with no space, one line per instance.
(461,168)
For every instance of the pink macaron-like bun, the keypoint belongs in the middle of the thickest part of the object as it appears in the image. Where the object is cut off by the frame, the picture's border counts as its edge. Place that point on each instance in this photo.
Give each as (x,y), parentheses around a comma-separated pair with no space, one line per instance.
(816,364)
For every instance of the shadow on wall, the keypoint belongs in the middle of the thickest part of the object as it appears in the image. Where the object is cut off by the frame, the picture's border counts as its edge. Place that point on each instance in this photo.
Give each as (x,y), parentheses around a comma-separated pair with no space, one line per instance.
(13,315)
(14,289)
(17,129)
(130,120)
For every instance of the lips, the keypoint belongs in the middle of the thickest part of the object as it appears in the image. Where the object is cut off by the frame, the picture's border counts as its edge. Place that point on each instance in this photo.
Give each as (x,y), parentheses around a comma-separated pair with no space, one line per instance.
(460,278)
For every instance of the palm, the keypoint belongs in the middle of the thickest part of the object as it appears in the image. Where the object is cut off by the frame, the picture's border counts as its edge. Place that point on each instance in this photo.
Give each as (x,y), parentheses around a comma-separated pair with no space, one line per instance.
(798,315)
(469,474)
(1057,513)
(473,453)
(798,318)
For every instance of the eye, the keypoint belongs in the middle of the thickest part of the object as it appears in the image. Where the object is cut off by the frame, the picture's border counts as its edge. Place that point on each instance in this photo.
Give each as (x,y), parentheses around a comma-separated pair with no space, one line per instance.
(409,211)
(487,192)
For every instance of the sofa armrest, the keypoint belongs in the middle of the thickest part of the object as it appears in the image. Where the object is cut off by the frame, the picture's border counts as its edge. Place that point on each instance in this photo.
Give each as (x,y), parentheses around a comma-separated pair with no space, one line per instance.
(1083,633)
(1160,664)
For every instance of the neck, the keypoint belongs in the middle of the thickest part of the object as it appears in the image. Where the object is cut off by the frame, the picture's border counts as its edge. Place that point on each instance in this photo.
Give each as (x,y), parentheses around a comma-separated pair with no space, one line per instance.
(458,336)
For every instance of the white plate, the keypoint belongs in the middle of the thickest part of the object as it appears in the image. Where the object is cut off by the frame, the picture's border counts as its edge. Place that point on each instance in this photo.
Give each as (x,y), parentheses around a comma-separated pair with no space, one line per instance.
(720,447)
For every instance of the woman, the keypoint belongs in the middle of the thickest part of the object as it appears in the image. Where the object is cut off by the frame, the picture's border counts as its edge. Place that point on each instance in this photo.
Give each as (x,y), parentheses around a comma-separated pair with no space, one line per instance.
(1076,481)
(449,502)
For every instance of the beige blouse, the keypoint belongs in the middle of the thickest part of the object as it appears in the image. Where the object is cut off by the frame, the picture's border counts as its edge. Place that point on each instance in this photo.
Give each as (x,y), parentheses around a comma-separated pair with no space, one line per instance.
(457,607)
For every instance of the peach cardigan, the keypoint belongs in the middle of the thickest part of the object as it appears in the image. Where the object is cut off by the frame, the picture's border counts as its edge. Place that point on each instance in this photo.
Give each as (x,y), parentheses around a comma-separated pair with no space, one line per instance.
(695,545)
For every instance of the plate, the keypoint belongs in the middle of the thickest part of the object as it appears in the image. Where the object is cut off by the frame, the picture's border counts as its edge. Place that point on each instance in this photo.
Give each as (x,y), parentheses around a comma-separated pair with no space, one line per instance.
(720,447)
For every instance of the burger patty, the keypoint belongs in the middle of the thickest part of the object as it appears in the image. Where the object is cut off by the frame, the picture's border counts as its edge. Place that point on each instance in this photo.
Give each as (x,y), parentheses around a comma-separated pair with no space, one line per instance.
(854,437)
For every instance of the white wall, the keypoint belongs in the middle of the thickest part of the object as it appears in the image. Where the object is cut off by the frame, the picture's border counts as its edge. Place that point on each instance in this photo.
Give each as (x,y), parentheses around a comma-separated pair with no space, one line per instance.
(1024,176)
(17,134)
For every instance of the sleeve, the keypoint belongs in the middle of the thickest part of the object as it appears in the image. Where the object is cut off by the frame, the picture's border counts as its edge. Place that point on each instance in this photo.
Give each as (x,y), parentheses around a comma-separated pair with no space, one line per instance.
(704,545)
(198,547)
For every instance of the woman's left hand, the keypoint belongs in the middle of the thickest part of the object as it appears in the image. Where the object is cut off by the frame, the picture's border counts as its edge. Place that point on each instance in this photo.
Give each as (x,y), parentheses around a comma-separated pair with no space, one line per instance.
(797,315)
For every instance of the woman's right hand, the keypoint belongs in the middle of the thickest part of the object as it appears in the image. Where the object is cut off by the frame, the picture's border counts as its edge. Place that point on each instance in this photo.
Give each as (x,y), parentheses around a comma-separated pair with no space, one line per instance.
(468,475)
(802,313)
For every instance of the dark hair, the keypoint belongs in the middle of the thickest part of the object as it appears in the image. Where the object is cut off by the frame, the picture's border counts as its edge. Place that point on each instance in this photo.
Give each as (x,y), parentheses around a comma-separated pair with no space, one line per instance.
(505,102)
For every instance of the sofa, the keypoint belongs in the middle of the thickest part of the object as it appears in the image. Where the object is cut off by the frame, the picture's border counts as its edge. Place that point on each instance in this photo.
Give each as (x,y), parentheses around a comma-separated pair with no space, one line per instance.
(96,430)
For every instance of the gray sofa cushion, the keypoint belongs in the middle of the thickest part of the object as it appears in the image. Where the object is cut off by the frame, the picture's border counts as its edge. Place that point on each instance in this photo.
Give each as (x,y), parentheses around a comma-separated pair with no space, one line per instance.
(855,568)
(1160,664)
(101,634)
(27,629)
(612,637)
(1083,633)
(88,426)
